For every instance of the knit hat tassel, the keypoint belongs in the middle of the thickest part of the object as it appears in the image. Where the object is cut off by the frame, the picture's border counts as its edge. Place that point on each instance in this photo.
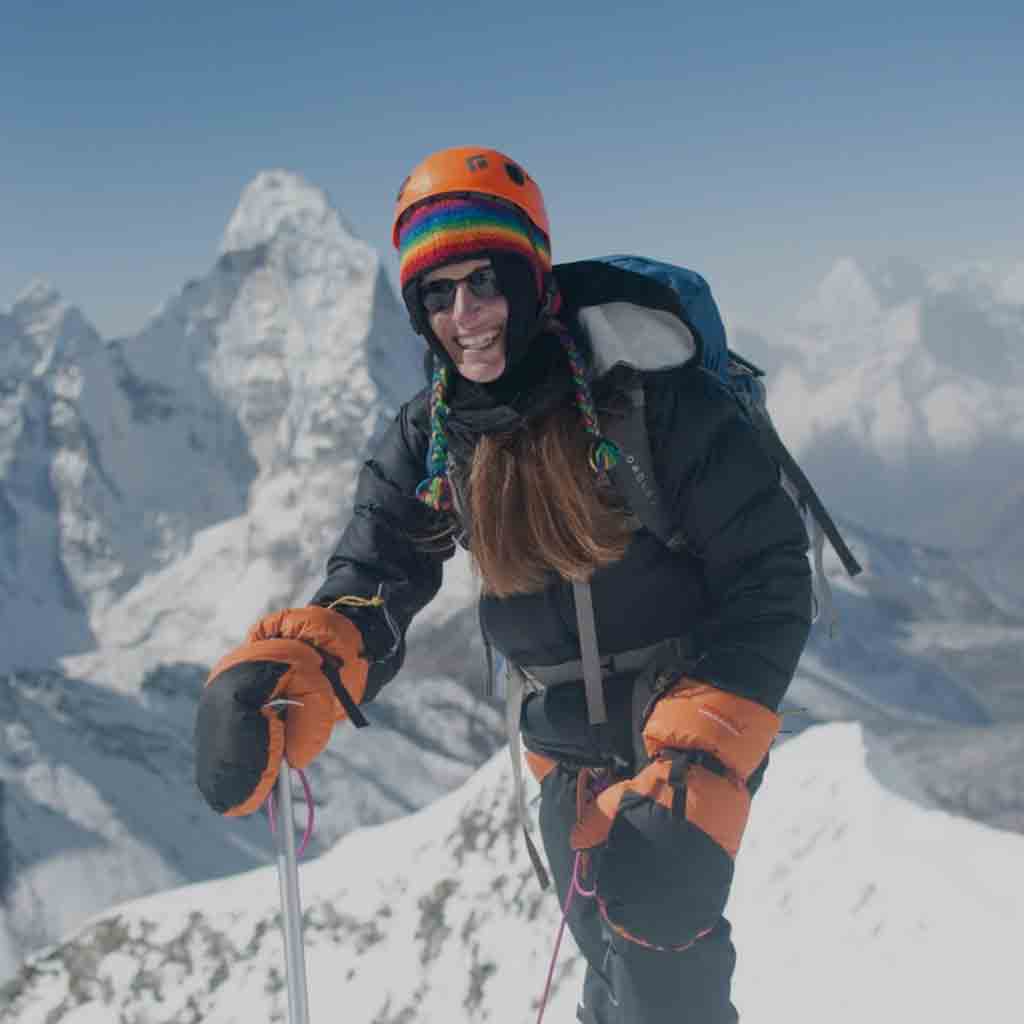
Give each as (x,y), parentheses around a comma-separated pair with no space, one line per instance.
(436,490)
(604,453)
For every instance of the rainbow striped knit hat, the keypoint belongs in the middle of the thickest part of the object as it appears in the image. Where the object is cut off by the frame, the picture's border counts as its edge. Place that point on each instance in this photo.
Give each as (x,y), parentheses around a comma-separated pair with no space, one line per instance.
(453,228)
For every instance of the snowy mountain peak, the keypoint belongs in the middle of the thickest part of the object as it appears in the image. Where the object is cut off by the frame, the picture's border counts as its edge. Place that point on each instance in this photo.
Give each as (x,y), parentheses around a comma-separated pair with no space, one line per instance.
(897,280)
(845,299)
(982,283)
(280,204)
(39,294)
(43,329)
(38,311)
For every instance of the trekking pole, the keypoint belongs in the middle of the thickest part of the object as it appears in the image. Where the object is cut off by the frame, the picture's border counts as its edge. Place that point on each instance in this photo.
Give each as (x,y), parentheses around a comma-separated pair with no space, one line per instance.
(291,908)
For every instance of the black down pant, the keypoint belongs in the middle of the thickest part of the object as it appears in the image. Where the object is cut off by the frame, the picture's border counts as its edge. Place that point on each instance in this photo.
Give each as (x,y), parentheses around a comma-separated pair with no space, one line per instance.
(627,983)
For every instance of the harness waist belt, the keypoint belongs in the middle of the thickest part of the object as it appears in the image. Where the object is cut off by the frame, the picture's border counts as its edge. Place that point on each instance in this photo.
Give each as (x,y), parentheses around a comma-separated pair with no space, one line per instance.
(611,664)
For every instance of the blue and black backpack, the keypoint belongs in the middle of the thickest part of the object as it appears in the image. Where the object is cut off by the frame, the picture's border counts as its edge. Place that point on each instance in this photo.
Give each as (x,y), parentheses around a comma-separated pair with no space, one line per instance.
(641,314)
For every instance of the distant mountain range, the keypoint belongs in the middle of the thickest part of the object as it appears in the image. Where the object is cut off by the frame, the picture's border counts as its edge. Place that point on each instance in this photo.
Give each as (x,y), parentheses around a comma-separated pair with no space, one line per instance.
(903,394)
(159,492)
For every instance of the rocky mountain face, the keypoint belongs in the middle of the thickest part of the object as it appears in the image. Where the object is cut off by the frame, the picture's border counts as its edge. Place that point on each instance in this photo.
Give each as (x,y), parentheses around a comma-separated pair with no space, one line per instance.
(255,386)
(89,501)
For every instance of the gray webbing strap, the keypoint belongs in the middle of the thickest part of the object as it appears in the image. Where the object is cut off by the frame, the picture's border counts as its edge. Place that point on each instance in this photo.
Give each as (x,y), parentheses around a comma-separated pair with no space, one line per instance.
(620,663)
(515,687)
(591,656)
(816,535)
(819,581)
(633,474)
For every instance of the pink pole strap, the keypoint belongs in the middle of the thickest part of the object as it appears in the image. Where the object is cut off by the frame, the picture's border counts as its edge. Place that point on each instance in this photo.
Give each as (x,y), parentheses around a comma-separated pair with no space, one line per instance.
(574,887)
(310,812)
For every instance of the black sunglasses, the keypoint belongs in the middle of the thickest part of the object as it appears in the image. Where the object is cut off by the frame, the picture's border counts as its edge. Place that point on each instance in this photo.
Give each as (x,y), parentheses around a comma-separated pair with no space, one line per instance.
(439,295)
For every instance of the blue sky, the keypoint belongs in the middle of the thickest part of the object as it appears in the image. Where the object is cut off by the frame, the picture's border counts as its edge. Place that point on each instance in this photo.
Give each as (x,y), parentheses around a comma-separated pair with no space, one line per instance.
(755,144)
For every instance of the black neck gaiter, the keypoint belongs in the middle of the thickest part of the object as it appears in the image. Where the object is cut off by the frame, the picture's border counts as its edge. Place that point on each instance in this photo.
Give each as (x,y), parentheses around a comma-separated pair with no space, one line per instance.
(538,382)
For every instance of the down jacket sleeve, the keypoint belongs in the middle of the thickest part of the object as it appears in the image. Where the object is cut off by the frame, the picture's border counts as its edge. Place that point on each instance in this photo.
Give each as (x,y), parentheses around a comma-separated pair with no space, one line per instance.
(744,530)
(393,545)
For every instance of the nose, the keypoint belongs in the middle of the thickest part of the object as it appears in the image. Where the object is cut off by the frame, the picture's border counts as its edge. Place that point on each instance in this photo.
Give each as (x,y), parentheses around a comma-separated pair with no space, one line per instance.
(466,303)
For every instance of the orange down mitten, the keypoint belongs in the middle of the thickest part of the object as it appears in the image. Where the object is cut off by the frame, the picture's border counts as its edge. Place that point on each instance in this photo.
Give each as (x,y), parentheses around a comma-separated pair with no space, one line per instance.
(279,694)
(697,719)
(669,835)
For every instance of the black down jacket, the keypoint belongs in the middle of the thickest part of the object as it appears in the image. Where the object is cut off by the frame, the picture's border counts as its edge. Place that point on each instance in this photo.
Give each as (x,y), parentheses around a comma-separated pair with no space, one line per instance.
(740,592)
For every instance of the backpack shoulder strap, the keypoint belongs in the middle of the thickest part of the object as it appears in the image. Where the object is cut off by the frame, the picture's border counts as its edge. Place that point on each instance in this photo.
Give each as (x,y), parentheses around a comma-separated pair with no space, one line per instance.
(633,474)
(635,478)
(776,448)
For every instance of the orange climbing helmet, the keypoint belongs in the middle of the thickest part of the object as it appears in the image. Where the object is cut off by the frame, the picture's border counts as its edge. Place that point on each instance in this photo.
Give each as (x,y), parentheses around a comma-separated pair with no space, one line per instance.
(464,169)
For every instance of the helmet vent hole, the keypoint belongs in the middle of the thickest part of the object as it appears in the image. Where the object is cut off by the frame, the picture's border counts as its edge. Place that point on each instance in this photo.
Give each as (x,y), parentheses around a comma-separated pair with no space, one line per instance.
(516,174)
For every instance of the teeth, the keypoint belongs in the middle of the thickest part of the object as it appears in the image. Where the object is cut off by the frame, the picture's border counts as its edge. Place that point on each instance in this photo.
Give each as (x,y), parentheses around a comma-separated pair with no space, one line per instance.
(478,342)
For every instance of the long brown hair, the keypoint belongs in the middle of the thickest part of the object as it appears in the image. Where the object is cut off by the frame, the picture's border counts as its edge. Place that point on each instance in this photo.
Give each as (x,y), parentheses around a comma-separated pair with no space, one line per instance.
(536,507)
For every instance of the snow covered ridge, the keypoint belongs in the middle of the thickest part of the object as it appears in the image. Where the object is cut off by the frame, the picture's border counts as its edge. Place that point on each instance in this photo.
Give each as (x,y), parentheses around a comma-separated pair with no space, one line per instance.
(98,803)
(914,916)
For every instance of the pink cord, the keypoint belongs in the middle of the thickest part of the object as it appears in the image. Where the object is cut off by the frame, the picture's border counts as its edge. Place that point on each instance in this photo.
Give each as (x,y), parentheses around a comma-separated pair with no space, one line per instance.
(587,893)
(310,813)
(574,887)
(310,816)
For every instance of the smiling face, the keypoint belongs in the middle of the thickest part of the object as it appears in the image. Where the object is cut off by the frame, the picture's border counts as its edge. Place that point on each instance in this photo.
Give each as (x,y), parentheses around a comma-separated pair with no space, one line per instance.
(473,329)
